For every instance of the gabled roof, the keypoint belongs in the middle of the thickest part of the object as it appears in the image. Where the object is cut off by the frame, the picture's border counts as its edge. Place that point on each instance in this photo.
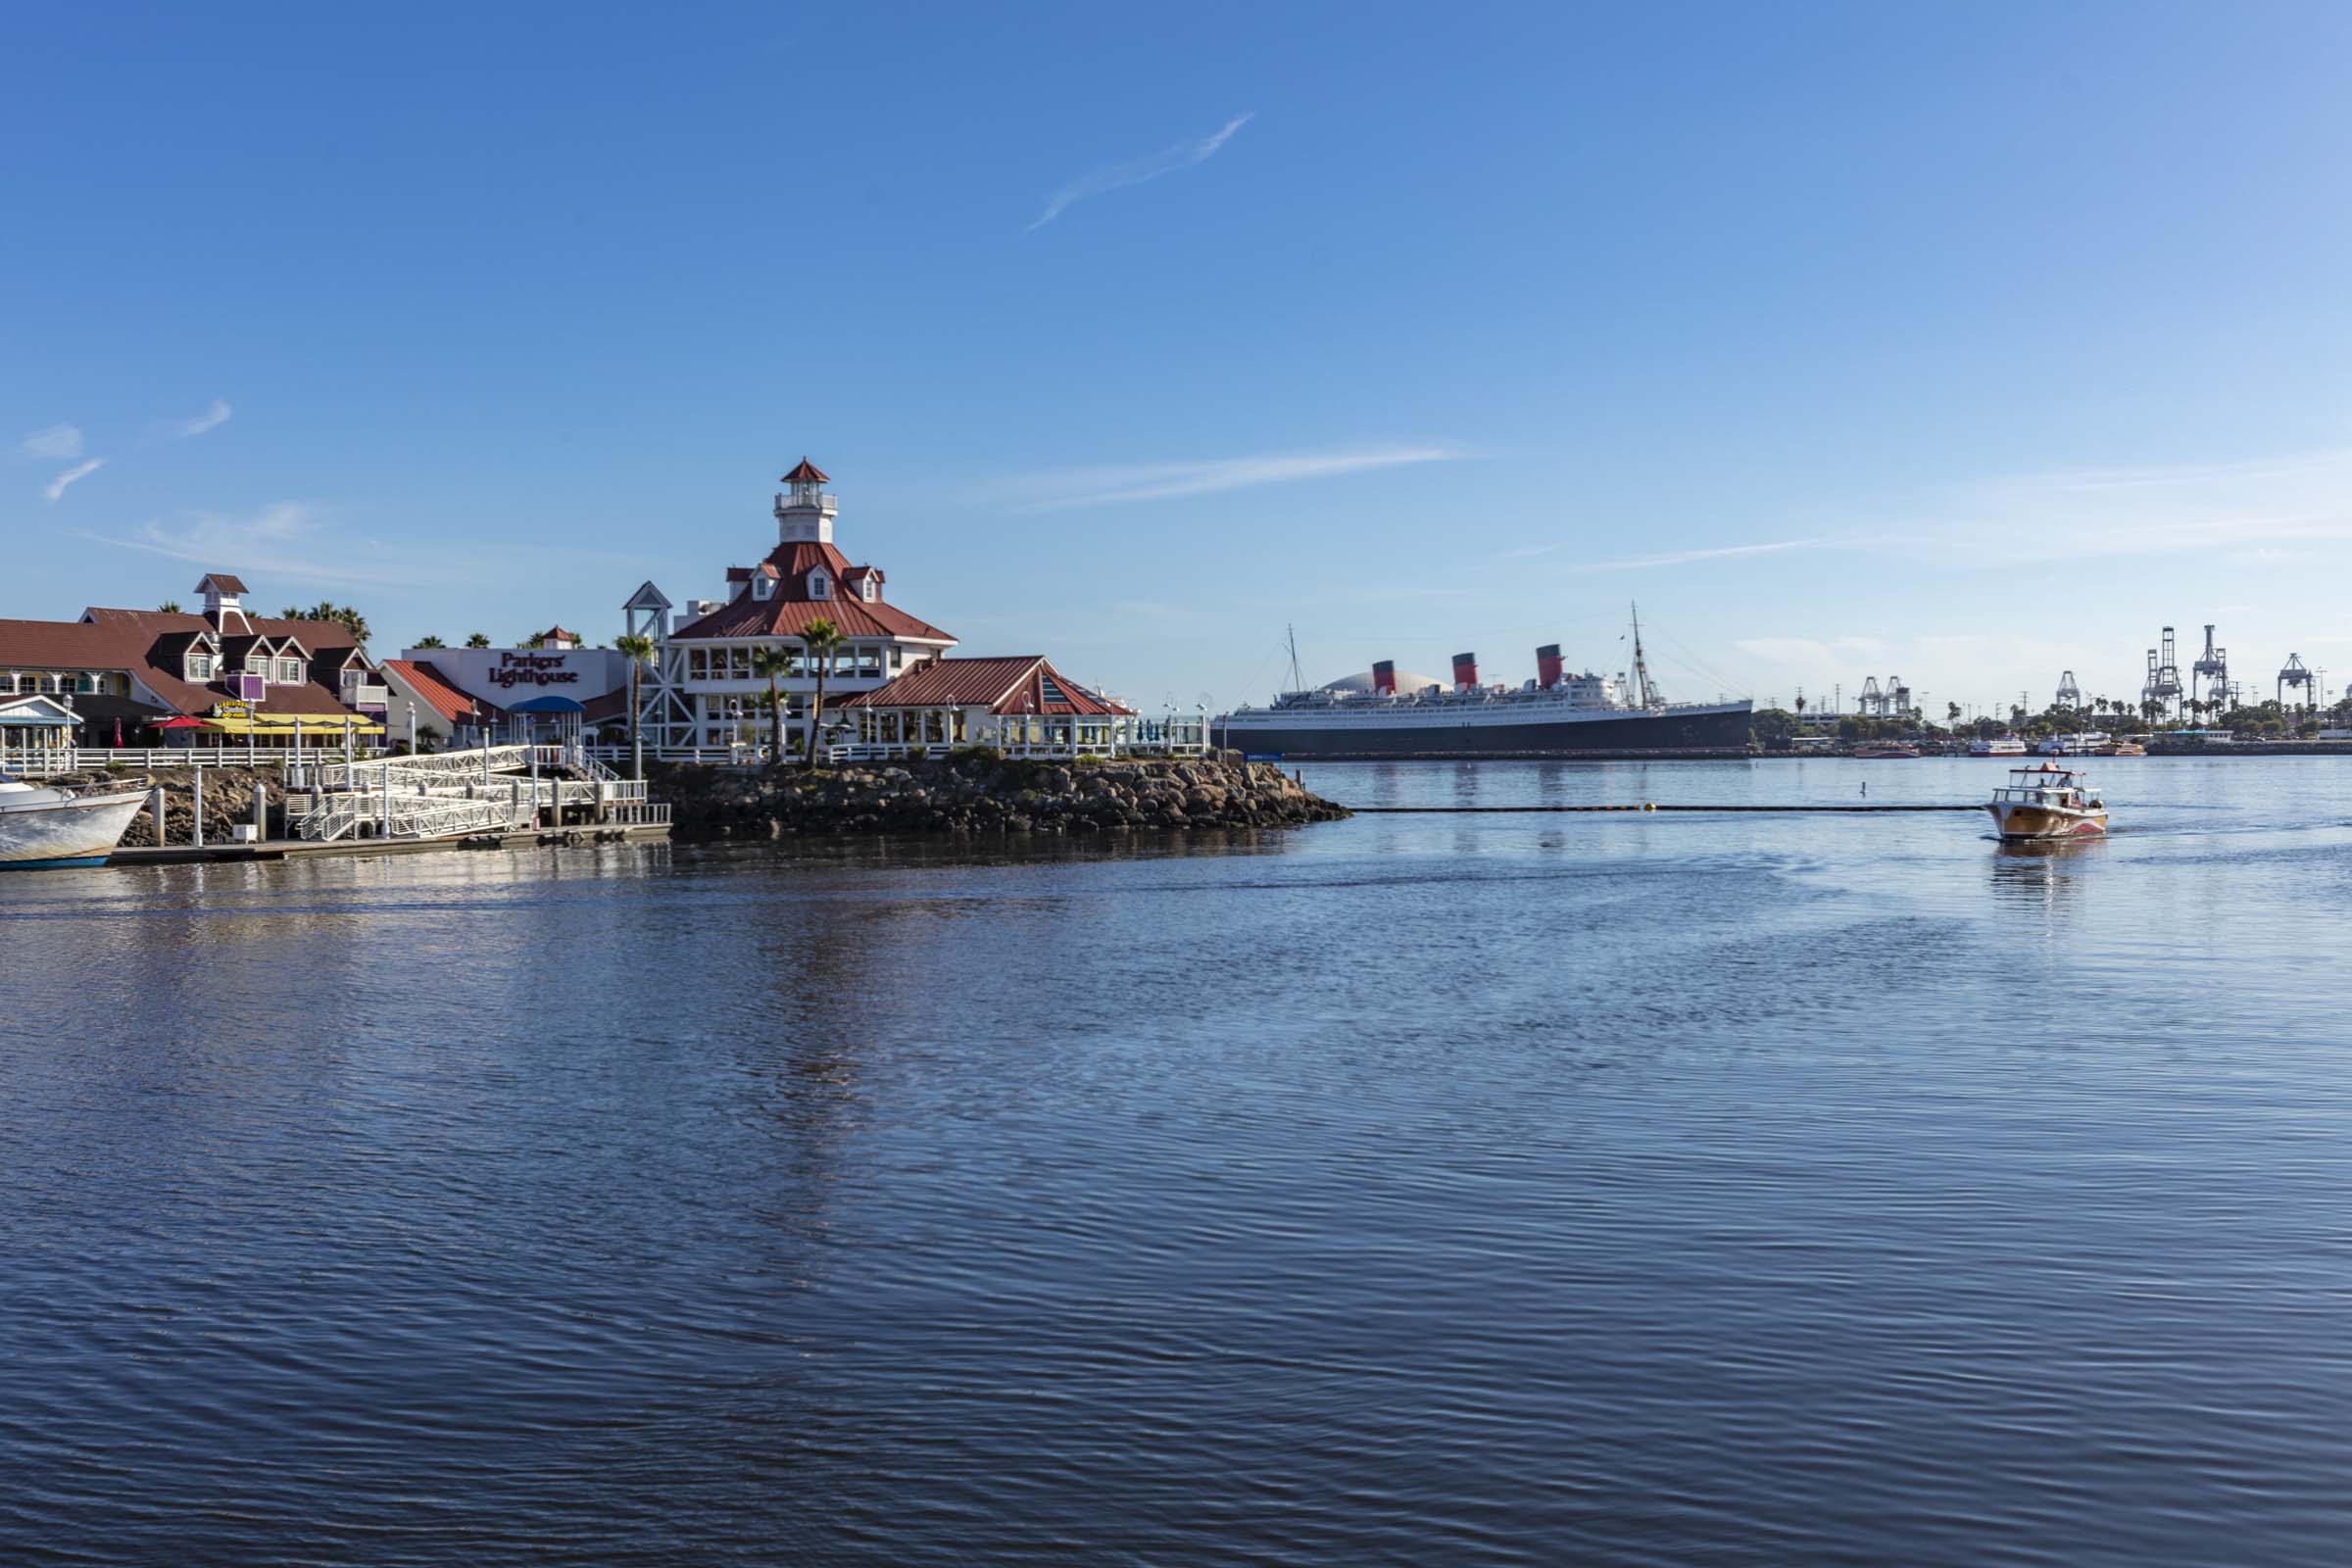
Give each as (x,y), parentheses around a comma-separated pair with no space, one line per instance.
(808,473)
(1018,683)
(647,596)
(222,581)
(316,635)
(151,645)
(429,684)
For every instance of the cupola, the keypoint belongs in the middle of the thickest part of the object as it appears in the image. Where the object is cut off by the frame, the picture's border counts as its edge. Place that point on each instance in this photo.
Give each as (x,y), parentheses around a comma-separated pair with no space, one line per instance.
(804,512)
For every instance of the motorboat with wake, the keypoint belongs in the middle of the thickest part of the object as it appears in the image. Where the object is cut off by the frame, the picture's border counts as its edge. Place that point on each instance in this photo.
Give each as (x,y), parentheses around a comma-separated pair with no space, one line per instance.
(48,827)
(2047,801)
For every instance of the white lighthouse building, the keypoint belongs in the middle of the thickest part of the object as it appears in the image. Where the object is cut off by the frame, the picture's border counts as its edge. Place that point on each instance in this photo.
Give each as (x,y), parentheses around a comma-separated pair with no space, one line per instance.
(701,689)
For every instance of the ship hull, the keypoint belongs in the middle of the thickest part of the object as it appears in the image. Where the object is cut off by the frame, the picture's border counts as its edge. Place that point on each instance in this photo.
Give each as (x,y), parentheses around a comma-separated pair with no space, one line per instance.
(73,832)
(2019,823)
(1711,732)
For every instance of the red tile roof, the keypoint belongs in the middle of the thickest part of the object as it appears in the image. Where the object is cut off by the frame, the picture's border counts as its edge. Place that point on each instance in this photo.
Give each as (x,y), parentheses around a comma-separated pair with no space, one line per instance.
(1020,683)
(808,473)
(224,582)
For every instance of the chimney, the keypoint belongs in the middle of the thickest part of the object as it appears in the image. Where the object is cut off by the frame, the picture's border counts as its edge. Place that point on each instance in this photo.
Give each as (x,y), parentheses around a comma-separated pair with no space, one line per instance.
(1384,677)
(1466,671)
(1547,665)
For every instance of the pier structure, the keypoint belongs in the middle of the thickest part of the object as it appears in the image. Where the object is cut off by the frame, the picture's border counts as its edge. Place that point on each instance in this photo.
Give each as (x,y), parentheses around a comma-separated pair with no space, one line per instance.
(439,795)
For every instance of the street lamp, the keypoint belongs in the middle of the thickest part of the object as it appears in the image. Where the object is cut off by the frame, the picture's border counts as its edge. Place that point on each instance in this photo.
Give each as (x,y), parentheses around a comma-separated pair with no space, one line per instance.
(411,729)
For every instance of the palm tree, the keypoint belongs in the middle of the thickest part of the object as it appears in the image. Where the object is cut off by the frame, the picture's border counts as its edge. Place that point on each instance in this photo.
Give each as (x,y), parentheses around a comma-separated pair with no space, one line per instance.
(1951,714)
(821,637)
(169,607)
(430,642)
(350,619)
(772,664)
(479,639)
(639,650)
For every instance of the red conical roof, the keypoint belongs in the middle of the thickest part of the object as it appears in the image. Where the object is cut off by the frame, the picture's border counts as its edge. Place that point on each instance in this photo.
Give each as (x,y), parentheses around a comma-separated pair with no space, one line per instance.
(808,473)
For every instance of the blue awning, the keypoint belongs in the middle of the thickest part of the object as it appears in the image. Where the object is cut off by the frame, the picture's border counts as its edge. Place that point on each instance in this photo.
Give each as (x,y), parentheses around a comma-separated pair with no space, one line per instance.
(547,704)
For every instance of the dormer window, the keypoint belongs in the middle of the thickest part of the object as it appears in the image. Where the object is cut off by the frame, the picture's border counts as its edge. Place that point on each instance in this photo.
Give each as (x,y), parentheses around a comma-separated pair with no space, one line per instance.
(819,585)
(763,587)
(200,665)
(289,672)
(868,588)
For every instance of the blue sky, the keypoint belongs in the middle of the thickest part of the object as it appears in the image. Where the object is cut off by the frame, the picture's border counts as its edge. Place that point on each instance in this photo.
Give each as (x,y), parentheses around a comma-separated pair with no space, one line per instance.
(1964,343)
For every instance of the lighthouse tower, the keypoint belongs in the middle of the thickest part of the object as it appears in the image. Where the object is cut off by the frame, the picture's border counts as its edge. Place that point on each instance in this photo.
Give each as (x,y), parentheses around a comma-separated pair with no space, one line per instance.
(805,513)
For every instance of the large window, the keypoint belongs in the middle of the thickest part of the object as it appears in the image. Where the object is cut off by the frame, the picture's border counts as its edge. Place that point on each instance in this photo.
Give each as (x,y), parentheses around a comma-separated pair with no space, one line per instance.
(698,663)
(200,667)
(289,671)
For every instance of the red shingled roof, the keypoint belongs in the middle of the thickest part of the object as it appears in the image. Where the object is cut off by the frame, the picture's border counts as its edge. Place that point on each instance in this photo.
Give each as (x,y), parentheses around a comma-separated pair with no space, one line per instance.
(148,645)
(434,687)
(808,473)
(1018,683)
(224,582)
(791,608)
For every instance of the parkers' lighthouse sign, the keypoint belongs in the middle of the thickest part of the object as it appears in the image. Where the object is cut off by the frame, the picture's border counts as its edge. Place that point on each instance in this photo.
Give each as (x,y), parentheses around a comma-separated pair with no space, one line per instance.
(532,669)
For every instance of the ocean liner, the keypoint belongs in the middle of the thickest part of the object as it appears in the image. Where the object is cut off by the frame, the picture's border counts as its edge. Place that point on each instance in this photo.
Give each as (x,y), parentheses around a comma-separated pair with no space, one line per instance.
(1554,715)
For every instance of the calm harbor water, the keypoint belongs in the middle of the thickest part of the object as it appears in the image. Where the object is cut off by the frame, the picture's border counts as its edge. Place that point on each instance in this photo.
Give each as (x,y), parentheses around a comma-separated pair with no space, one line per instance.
(1508,1188)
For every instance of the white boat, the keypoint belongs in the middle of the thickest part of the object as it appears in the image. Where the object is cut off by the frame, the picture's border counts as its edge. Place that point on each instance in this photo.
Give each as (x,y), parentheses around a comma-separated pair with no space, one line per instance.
(2046,802)
(2083,743)
(1996,746)
(46,827)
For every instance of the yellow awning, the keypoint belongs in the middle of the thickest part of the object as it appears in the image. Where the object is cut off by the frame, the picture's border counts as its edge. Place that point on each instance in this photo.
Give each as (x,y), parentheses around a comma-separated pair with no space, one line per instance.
(287,724)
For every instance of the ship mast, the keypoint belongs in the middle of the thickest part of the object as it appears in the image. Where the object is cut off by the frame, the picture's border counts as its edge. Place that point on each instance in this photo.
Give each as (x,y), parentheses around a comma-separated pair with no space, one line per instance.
(1644,694)
(1290,634)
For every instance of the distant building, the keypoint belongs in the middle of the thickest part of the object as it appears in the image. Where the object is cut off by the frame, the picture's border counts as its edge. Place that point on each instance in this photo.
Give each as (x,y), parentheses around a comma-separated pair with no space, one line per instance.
(702,691)
(223,676)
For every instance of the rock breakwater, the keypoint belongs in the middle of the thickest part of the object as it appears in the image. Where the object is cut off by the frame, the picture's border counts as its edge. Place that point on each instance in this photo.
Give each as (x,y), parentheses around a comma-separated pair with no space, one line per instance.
(978,793)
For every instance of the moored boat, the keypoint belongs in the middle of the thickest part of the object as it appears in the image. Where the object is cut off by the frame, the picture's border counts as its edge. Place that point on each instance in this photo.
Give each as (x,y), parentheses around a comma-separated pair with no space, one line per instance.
(2047,801)
(1885,751)
(49,827)
(1996,746)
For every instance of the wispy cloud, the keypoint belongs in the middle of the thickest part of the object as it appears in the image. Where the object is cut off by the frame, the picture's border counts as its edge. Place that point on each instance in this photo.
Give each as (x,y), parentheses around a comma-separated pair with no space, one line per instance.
(1670,558)
(282,540)
(59,443)
(1118,176)
(2120,513)
(211,419)
(1159,481)
(79,470)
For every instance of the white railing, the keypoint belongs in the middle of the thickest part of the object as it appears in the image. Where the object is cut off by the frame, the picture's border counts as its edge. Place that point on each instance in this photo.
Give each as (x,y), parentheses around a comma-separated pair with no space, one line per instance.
(44,760)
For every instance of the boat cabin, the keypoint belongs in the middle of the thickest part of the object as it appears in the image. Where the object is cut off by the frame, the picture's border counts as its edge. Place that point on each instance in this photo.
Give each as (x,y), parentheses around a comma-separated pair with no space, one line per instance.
(2048,785)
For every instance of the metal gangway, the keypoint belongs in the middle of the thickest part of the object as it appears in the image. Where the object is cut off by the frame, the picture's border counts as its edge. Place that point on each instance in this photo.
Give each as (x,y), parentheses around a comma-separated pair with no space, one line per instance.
(490,789)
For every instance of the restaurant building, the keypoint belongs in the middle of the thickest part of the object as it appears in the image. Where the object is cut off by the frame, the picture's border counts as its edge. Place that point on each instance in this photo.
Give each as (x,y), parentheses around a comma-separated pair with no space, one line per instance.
(705,687)
(471,695)
(145,677)
(1016,704)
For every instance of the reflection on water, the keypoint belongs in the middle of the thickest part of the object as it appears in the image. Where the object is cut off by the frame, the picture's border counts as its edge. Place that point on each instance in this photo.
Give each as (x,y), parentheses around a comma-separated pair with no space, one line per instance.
(1518,1189)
